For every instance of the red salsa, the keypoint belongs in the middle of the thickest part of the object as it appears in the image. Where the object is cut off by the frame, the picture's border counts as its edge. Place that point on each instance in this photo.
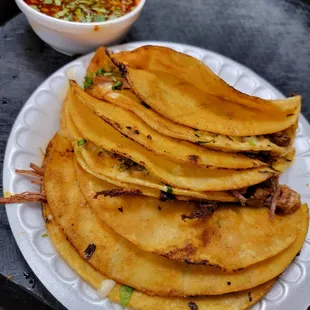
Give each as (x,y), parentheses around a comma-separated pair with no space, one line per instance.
(85,11)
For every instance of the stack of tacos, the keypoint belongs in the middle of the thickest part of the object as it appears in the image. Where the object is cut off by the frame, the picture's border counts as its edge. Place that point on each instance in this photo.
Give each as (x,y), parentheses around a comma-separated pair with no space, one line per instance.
(161,188)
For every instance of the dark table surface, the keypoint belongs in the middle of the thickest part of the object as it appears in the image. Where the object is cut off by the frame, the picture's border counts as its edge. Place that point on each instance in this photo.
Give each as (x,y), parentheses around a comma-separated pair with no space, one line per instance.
(272,37)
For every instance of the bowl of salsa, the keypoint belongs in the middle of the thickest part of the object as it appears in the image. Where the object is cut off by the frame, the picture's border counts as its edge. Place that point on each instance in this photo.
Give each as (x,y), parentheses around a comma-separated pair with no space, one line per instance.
(80,26)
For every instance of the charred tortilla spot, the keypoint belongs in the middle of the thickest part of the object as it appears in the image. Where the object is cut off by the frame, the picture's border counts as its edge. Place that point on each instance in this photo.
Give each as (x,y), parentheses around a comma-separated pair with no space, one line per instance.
(120,209)
(205,237)
(137,132)
(193,158)
(188,250)
(203,210)
(118,125)
(228,283)
(159,208)
(128,127)
(116,192)
(250,297)
(149,137)
(89,251)
(146,105)
(266,172)
(202,262)
(192,305)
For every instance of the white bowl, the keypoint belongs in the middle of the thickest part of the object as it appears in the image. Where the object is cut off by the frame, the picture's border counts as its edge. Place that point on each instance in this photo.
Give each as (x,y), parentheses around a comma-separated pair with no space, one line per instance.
(72,38)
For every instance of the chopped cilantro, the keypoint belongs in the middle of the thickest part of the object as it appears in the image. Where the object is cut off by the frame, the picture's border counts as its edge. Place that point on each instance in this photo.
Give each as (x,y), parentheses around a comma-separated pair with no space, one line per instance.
(100,72)
(48,1)
(219,223)
(44,235)
(117,85)
(88,81)
(34,7)
(125,294)
(169,189)
(99,19)
(61,13)
(81,142)
(57,2)
(251,141)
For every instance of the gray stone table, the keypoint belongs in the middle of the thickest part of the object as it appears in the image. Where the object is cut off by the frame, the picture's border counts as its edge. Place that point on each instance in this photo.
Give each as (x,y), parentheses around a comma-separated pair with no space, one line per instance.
(272,37)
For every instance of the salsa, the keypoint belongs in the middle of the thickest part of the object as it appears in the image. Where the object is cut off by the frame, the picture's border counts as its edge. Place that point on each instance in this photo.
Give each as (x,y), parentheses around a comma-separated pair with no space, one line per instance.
(85,11)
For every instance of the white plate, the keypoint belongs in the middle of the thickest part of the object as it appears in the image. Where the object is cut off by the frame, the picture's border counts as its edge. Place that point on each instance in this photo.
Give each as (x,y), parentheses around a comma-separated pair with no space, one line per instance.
(37,123)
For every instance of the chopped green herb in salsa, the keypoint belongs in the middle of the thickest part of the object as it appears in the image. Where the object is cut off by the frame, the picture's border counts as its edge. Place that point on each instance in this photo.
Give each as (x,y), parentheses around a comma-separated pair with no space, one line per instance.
(85,11)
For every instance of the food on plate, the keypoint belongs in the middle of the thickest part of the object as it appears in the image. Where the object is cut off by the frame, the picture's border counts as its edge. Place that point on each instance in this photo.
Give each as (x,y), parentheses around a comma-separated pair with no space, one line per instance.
(84,11)
(99,85)
(189,177)
(195,72)
(121,261)
(185,104)
(229,230)
(161,188)
(128,124)
(239,300)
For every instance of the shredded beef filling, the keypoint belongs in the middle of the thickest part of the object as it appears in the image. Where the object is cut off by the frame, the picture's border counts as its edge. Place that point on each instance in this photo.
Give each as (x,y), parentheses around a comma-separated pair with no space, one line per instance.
(192,305)
(288,201)
(164,196)
(239,195)
(265,157)
(271,195)
(280,138)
